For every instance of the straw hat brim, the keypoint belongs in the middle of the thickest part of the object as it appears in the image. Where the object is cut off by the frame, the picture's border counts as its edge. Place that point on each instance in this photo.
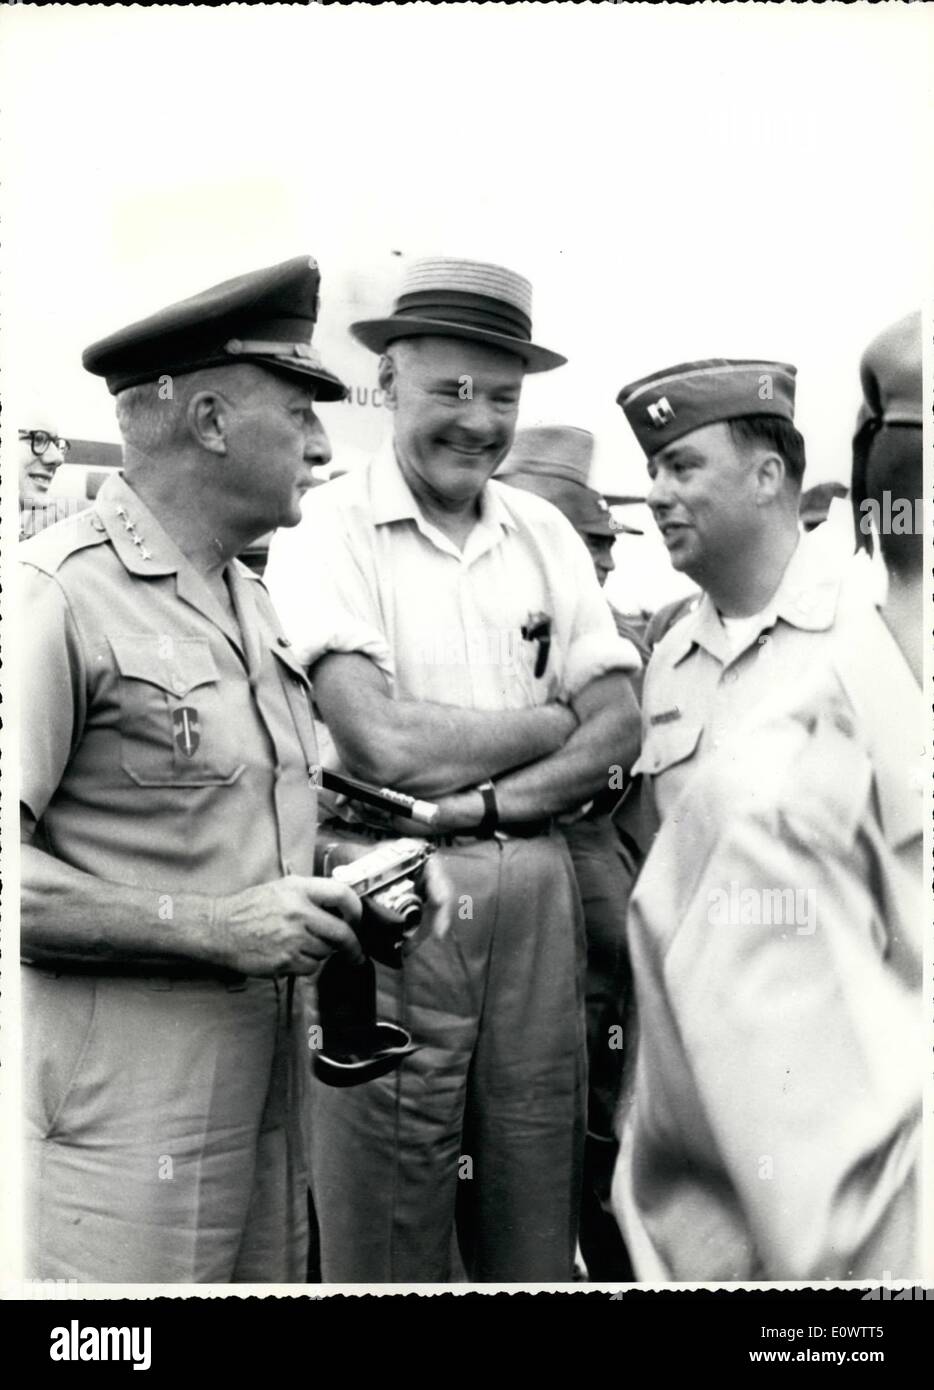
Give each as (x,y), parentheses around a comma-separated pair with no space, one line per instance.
(376,334)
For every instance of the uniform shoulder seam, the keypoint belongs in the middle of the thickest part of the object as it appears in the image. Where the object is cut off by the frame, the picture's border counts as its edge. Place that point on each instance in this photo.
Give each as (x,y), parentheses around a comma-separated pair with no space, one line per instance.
(49,549)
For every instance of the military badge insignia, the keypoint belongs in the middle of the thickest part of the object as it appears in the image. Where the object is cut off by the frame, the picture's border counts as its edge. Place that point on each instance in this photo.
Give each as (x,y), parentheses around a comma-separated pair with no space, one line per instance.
(660,412)
(187,730)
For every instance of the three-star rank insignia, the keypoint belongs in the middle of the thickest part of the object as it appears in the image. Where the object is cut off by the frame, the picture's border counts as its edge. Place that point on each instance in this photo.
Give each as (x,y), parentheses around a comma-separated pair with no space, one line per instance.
(187,730)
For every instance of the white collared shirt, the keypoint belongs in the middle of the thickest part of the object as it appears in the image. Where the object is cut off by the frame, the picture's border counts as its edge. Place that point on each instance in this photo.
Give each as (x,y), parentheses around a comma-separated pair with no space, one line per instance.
(365,572)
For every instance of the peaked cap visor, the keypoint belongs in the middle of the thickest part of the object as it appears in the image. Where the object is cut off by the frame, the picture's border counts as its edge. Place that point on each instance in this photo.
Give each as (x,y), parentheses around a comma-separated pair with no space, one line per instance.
(266,316)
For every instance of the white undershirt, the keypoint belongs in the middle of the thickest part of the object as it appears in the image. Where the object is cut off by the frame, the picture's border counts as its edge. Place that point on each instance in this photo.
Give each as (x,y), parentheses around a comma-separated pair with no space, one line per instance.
(740,631)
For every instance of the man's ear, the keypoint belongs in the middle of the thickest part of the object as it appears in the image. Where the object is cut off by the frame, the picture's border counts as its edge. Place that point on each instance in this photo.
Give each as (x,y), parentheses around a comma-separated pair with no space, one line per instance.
(208,419)
(386,376)
(770,477)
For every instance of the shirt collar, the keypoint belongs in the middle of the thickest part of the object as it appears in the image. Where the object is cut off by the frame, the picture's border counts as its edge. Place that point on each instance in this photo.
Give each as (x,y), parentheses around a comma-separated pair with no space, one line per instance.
(806,598)
(391,499)
(146,549)
(141,543)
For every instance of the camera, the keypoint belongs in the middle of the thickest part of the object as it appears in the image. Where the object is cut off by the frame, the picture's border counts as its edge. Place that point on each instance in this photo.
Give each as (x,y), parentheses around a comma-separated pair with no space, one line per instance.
(388,879)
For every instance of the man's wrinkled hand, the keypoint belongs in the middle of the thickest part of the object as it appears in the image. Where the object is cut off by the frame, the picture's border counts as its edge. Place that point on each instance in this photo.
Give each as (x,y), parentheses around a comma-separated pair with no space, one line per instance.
(287,927)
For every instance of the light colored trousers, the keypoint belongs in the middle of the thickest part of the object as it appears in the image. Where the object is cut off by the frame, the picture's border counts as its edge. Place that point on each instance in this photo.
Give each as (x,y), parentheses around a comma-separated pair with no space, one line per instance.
(484,1125)
(162,1131)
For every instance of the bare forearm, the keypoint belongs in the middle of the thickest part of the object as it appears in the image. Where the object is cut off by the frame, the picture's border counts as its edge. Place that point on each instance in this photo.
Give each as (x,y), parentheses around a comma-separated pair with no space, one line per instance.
(574,774)
(430,750)
(286,926)
(462,746)
(605,744)
(68,915)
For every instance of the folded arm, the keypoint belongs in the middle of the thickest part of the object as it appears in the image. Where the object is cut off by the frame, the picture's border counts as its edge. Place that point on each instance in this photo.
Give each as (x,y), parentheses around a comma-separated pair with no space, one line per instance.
(605,742)
(424,748)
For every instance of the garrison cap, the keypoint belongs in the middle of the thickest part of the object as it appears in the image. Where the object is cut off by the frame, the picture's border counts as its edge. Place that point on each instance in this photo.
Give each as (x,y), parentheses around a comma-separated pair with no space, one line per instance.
(554,461)
(671,403)
(890,371)
(887,446)
(266,316)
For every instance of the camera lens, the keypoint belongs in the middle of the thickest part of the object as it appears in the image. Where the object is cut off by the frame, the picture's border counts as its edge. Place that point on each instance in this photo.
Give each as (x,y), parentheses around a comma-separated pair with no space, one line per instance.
(402,900)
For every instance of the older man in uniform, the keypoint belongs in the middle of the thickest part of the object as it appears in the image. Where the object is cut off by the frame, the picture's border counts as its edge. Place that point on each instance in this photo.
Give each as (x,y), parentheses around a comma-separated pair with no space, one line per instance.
(168,813)
(777,948)
(554,462)
(726,464)
(461,649)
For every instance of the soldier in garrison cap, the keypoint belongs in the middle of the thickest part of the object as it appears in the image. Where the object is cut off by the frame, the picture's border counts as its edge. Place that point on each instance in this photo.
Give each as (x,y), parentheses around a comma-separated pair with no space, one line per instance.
(726,464)
(554,462)
(460,636)
(815,503)
(168,815)
(775,1131)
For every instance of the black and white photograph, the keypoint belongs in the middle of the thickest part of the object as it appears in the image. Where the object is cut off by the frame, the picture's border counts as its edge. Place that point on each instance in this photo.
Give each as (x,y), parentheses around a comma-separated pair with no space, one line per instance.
(466,654)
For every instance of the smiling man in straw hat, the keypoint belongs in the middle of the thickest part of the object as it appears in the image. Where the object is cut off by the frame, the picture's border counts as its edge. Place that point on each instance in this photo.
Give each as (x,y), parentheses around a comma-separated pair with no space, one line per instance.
(461,649)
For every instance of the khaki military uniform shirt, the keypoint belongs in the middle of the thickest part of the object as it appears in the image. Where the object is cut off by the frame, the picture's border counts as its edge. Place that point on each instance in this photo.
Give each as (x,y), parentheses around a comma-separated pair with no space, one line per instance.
(696,692)
(162,744)
(776,940)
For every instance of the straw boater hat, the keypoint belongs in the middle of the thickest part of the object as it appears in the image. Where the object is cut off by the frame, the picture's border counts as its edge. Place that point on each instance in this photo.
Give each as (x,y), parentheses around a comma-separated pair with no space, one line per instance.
(443,297)
(554,462)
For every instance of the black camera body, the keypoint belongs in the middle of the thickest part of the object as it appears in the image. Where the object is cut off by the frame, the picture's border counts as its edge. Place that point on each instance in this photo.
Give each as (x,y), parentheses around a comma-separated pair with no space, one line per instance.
(387,877)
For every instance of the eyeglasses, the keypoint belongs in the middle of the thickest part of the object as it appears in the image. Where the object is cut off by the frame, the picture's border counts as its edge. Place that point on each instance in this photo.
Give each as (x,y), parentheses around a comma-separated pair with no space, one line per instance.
(39,441)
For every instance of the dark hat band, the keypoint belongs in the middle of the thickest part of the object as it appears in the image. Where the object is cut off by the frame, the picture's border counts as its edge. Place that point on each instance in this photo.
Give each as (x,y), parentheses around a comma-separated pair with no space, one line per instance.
(471,310)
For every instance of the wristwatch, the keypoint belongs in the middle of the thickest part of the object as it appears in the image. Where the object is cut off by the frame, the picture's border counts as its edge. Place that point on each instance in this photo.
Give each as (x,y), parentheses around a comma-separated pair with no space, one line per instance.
(487,827)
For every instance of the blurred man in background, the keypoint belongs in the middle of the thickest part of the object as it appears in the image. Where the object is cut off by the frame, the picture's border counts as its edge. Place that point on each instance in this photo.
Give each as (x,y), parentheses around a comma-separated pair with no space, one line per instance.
(815,503)
(41,454)
(554,462)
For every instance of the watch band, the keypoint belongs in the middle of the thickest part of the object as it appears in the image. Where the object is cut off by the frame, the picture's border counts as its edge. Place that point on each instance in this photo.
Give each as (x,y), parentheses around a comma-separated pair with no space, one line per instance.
(487,827)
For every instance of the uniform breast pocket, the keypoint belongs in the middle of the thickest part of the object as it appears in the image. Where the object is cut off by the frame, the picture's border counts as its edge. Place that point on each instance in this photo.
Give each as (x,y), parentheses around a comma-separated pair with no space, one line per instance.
(665,746)
(173,728)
